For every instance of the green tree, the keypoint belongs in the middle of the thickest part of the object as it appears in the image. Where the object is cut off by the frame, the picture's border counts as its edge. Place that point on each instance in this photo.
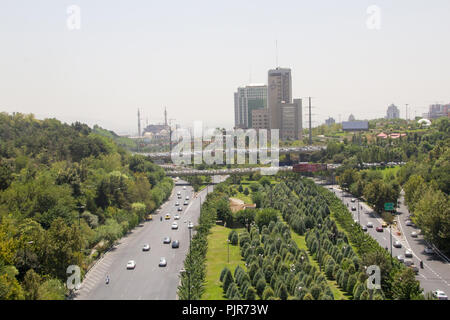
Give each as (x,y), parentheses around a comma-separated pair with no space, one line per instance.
(405,286)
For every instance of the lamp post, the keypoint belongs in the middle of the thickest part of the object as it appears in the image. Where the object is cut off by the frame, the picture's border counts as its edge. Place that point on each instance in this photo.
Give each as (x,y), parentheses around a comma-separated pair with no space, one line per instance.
(359,220)
(390,232)
(24,252)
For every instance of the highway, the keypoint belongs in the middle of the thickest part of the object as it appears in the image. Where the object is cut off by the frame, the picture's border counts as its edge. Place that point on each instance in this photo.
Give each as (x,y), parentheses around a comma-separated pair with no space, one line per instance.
(436,271)
(147,281)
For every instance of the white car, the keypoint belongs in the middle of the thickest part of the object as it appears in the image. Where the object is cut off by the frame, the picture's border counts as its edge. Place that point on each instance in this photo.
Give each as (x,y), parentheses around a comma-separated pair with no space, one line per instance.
(176,217)
(131,264)
(190,225)
(146,247)
(162,262)
(177,204)
(174,226)
(408,253)
(397,244)
(429,250)
(414,234)
(179,193)
(440,295)
(184,187)
(401,258)
(187,197)
(369,224)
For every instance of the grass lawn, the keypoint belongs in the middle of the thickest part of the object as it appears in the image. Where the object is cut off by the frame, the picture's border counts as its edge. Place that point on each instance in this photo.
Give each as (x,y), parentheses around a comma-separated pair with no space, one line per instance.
(217,259)
(386,171)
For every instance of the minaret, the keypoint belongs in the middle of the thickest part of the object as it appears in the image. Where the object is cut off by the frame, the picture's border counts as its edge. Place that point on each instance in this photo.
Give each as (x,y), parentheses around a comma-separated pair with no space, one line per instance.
(139,123)
(165,116)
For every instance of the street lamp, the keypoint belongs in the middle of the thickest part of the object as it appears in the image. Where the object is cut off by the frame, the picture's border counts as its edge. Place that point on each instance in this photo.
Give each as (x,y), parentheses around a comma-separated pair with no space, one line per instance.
(24,252)
(390,232)
(359,220)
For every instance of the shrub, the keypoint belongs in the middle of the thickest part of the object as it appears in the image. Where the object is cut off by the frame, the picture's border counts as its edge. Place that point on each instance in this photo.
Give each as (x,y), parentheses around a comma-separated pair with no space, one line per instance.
(251,294)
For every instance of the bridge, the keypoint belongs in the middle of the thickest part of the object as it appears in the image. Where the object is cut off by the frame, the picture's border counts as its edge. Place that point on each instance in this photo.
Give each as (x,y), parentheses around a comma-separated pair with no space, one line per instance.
(287,150)
(176,171)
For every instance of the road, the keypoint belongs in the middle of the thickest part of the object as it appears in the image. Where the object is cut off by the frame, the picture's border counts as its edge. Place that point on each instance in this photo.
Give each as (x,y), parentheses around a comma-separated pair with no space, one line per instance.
(436,271)
(147,281)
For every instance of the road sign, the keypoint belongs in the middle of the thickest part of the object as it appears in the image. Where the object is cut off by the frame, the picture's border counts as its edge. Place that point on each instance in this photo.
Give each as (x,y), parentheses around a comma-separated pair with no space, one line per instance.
(389,206)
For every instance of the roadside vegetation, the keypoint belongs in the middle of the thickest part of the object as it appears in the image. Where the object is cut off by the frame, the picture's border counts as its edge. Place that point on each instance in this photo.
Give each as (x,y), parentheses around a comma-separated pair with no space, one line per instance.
(66,195)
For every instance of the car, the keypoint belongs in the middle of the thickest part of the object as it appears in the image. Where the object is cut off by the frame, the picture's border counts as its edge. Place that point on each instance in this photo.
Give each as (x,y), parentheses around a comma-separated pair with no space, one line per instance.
(408,253)
(179,193)
(177,204)
(190,225)
(131,264)
(180,209)
(369,224)
(429,250)
(167,217)
(400,258)
(440,295)
(179,196)
(397,244)
(166,240)
(187,197)
(384,225)
(414,268)
(184,187)
(162,262)
(186,203)
(408,262)
(414,234)
(353,200)
(379,229)
(175,244)
(149,217)
(353,208)
(174,226)
(364,228)
(146,247)
(176,217)
(409,223)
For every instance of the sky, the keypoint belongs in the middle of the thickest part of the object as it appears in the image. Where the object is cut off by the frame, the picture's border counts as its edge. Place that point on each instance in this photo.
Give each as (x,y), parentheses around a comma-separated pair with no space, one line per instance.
(190,56)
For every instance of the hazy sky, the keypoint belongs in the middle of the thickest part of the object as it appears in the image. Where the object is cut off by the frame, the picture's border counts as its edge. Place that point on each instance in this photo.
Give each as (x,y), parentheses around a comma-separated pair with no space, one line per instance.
(192,55)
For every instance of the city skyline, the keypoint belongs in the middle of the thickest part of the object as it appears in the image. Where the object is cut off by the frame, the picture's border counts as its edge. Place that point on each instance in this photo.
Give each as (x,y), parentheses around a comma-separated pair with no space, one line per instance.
(189,57)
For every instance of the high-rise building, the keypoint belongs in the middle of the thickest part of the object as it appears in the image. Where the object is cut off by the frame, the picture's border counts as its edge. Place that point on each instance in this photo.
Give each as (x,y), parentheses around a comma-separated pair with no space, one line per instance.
(291,120)
(279,90)
(330,121)
(247,99)
(393,112)
(438,110)
(260,119)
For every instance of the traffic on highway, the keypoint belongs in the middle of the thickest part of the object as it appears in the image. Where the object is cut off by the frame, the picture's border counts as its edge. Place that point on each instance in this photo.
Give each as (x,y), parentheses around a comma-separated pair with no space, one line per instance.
(145,264)
(408,246)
